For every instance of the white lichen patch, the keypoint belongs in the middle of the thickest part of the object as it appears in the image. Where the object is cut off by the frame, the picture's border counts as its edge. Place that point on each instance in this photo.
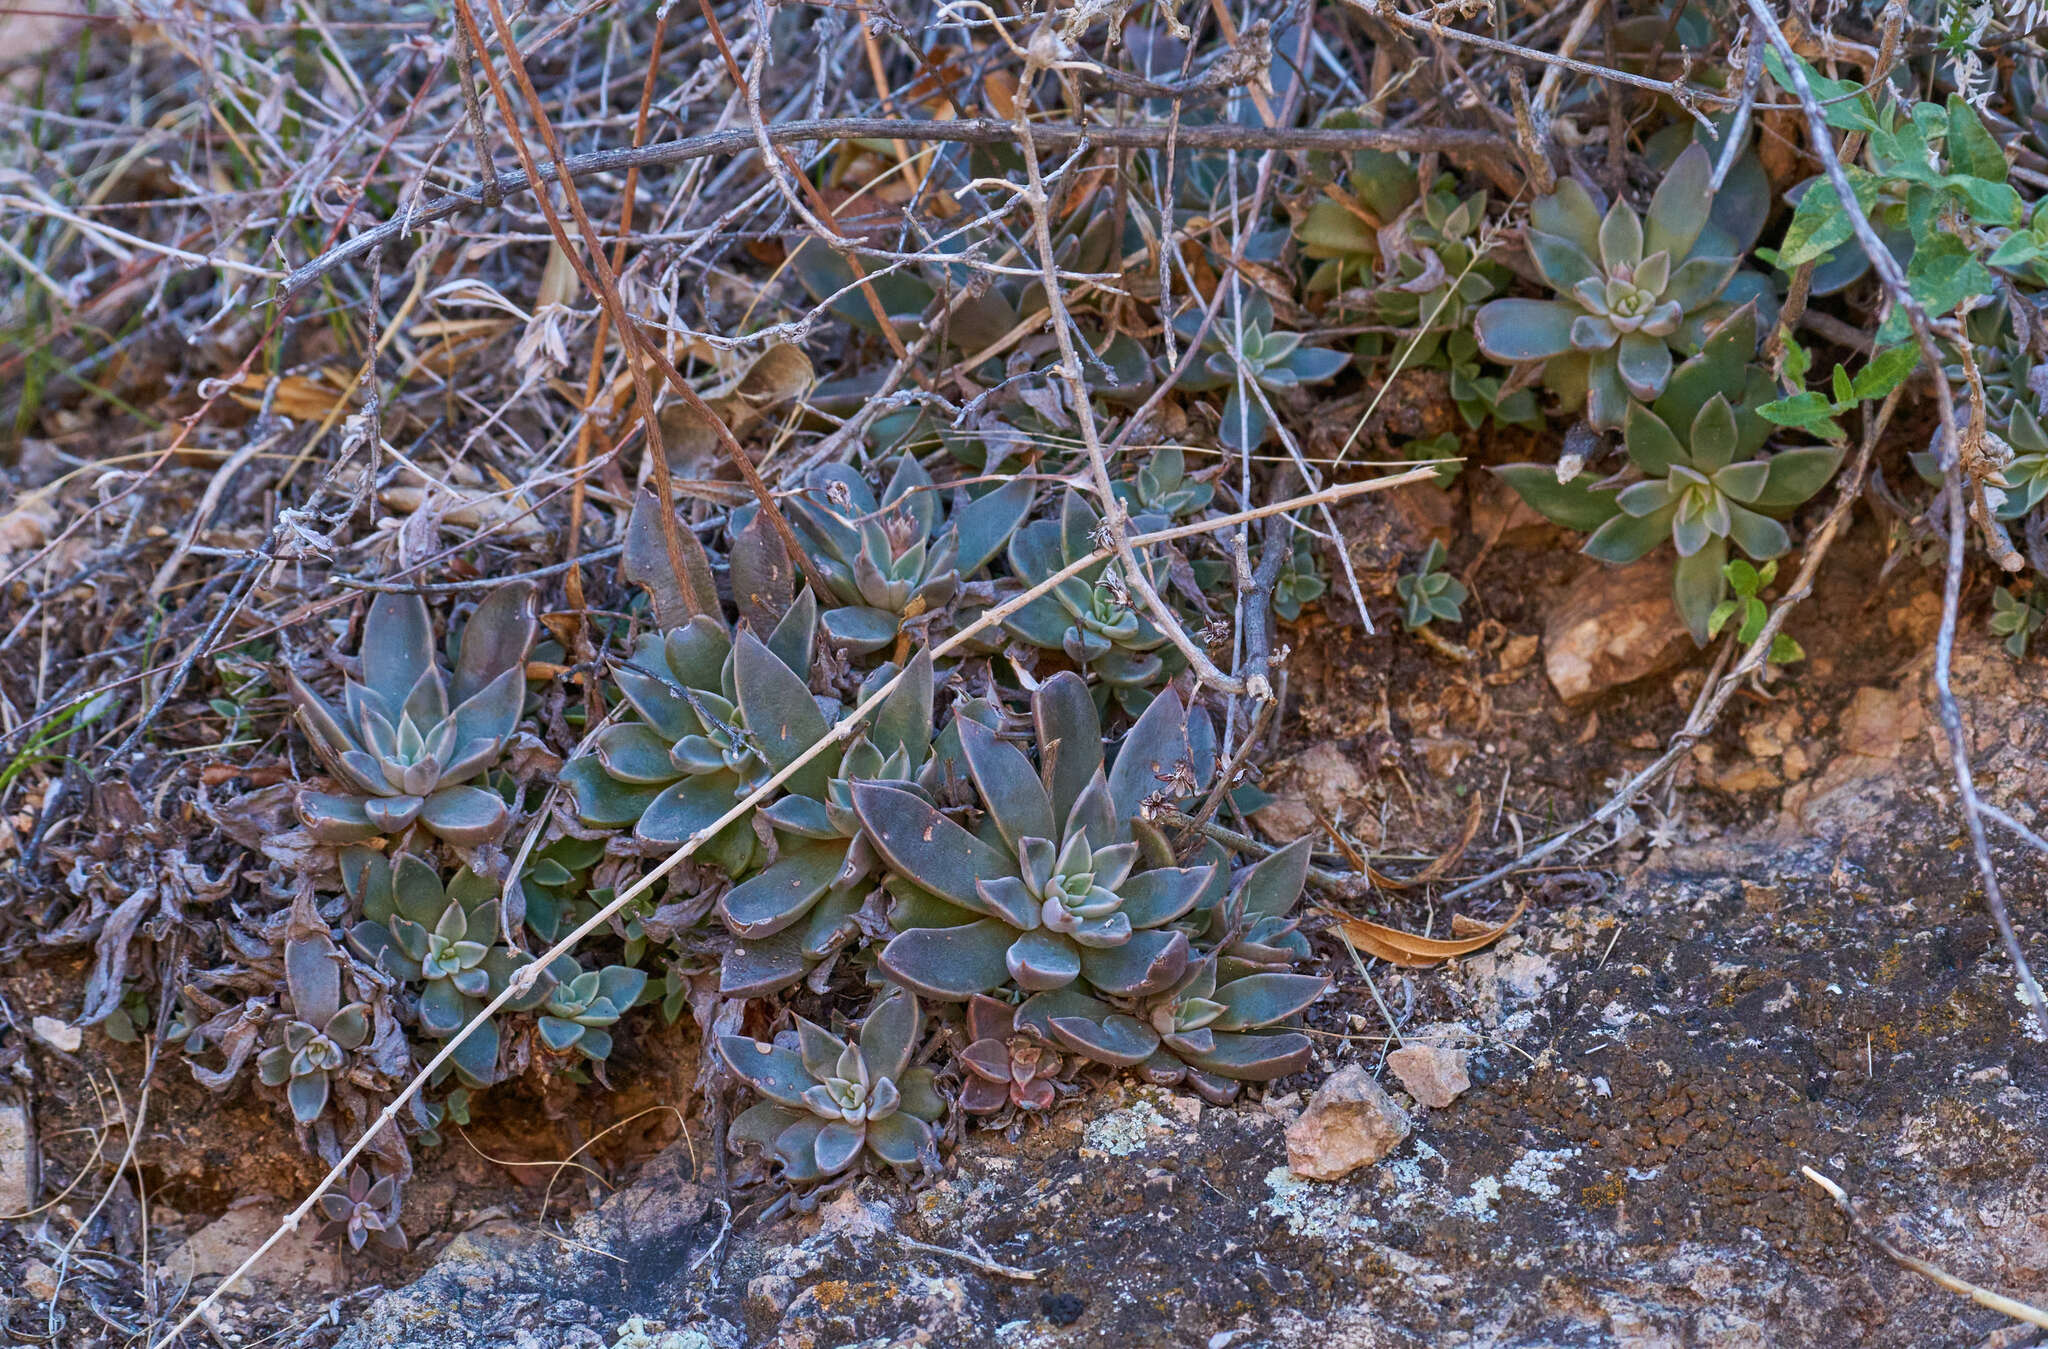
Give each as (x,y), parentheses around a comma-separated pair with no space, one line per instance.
(1314,1209)
(1532,1171)
(1477,1203)
(636,1334)
(1123,1132)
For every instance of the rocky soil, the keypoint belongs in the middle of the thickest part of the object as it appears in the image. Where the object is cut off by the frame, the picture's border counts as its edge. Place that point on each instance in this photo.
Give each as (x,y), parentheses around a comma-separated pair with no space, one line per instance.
(1589,1134)
(1649,1072)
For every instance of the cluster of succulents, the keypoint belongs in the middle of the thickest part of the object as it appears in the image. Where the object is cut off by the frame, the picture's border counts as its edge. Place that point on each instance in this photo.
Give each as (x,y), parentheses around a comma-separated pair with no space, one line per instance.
(1699,476)
(443,943)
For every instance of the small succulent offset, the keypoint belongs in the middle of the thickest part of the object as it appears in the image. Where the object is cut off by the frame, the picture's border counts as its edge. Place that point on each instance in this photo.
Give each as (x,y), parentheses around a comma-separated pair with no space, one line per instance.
(411,736)
(1048,893)
(801,907)
(1631,290)
(365,1209)
(1698,477)
(2018,617)
(893,562)
(314,1044)
(1300,581)
(1275,361)
(830,1104)
(553,887)
(1002,1066)
(1161,486)
(1430,593)
(583,1007)
(442,940)
(1089,616)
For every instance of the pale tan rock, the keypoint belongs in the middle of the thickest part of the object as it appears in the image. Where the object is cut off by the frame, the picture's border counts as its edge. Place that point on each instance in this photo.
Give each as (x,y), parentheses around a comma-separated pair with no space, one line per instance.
(18,1158)
(1433,1075)
(300,1259)
(39,1281)
(1879,723)
(1614,626)
(1322,779)
(1350,1122)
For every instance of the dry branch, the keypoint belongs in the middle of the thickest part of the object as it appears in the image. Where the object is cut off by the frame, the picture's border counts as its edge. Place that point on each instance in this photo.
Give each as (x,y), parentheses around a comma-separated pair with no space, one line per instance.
(1049,135)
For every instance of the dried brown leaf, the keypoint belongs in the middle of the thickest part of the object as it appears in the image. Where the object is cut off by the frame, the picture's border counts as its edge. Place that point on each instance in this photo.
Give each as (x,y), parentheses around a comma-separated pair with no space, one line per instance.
(1412,951)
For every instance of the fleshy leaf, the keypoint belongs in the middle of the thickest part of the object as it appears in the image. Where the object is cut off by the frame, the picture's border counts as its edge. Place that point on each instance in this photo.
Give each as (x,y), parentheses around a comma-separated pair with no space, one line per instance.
(950,963)
(1149,962)
(926,846)
(1575,504)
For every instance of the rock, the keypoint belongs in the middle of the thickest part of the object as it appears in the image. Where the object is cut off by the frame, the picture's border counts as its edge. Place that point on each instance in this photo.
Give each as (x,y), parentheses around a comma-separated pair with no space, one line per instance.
(1321,779)
(1350,1122)
(1879,723)
(39,1281)
(769,1295)
(18,1158)
(300,1260)
(1433,1075)
(57,1035)
(1615,626)
(1425,512)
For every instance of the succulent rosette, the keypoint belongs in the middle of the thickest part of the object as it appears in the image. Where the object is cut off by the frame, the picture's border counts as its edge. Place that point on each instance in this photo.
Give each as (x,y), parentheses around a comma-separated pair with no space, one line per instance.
(1631,290)
(1049,892)
(830,1103)
(410,737)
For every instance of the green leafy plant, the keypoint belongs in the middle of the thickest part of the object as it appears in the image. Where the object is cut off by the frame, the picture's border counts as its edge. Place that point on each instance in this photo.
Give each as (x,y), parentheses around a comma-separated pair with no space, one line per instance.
(411,736)
(443,941)
(1931,168)
(1276,361)
(899,560)
(2018,617)
(1748,584)
(832,1105)
(1002,1066)
(1049,892)
(1430,593)
(1698,477)
(1814,412)
(1632,289)
(313,1044)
